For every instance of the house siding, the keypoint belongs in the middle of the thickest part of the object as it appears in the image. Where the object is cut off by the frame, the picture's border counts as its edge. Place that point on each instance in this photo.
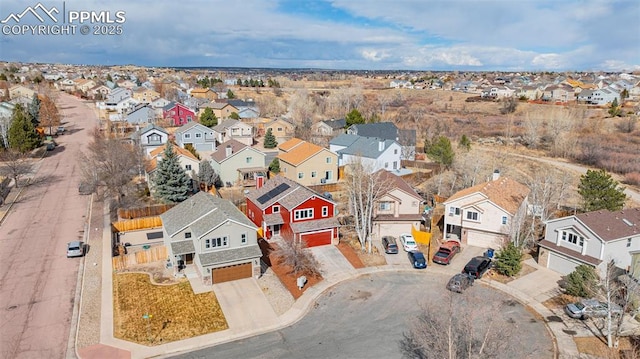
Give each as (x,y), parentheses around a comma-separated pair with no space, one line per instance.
(228,169)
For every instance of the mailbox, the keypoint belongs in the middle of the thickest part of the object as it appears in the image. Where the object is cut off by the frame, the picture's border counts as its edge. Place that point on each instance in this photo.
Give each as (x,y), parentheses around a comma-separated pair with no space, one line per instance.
(302,280)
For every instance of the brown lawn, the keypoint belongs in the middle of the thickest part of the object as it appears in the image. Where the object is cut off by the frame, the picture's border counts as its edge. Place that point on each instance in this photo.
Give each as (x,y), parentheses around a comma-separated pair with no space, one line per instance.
(289,279)
(150,314)
(350,254)
(368,260)
(598,347)
(559,301)
(526,269)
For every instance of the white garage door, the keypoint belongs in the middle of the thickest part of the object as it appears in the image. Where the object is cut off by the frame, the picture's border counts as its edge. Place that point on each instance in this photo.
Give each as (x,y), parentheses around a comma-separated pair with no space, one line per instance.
(561,264)
(392,229)
(483,240)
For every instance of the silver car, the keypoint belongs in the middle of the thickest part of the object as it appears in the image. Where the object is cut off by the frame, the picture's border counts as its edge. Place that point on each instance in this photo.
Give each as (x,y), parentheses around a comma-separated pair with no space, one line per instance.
(590,308)
(75,249)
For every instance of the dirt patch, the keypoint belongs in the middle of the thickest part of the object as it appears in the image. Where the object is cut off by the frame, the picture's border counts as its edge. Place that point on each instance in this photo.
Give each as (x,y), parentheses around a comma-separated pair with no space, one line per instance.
(526,269)
(289,279)
(598,347)
(559,301)
(350,254)
(373,259)
(157,272)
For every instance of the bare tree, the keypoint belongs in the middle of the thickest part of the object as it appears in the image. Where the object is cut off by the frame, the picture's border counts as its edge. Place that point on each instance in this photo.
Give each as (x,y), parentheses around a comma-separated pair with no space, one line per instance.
(294,253)
(533,126)
(364,188)
(548,189)
(15,164)
(49,114)
(619,290)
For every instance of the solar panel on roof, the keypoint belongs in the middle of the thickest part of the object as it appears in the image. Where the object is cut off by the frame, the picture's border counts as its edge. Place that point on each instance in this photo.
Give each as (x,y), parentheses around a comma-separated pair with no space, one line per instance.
(273,193)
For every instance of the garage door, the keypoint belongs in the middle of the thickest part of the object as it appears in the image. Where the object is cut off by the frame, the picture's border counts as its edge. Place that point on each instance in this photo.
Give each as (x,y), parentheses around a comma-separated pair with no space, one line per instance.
(317,239)
(225,274)
(483,240)
(561,264)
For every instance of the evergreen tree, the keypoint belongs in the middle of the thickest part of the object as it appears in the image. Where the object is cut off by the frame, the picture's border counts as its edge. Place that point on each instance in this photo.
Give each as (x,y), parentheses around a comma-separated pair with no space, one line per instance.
(600,191)
(508,260)
(614,109)
(34,110)
(354,117)
(581,282)
(234,115)
(109,78)
(208,176)
(440,151)
(230,94)
(270,140)
(274,166)
(208,118)
(239,83)
(465,143)
(171,181)
(22,133)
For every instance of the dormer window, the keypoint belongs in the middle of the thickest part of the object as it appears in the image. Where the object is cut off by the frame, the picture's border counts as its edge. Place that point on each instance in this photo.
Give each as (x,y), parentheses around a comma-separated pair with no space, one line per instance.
(275,209)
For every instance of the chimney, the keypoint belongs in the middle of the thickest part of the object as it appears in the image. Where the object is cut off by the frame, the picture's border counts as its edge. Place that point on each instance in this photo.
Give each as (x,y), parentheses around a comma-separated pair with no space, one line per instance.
(259,181)
(496,175)
(228,151)
(381,145)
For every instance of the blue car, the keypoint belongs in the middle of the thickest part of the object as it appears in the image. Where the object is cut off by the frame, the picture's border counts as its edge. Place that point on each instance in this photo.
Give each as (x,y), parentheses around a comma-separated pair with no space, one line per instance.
(417,259)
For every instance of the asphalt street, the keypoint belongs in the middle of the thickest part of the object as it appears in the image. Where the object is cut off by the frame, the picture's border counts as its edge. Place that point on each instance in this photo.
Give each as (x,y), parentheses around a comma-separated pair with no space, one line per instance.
(365,318)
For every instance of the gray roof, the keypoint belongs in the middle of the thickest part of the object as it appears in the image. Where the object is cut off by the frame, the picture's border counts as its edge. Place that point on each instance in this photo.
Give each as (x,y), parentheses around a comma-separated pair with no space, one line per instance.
(314,225)
(148,128)
(202,212)
(385,130)
(222,126)
(187,126)
(335,124)
(366,147)
(248,252)
(182,247)
(343,140)
(289,198)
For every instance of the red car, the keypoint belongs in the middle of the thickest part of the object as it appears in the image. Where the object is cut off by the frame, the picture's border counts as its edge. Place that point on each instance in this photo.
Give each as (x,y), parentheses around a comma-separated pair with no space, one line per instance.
(446,252)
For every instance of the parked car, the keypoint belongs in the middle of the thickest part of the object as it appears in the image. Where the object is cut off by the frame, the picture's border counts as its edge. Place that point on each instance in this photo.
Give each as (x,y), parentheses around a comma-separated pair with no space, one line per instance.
(389,244)
(60,130)
(408,243)
(75,249)
(477,266)
(459,282)
(417,259)
(446,252)
(590,308)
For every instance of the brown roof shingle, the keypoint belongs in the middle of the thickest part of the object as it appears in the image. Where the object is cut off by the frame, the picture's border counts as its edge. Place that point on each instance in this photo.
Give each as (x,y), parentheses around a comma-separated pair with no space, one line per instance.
(612,225)
(504,192)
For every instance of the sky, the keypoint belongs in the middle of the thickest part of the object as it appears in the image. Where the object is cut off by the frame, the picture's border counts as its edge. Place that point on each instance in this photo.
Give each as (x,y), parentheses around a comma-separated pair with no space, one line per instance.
(443,35)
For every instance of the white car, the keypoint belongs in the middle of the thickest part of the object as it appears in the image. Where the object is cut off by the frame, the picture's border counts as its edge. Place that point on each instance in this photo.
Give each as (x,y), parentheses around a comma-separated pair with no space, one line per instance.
(408,243)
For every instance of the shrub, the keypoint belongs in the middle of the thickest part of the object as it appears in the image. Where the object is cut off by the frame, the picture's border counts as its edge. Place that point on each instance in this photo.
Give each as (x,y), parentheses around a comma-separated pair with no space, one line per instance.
(508,260)
(581,282)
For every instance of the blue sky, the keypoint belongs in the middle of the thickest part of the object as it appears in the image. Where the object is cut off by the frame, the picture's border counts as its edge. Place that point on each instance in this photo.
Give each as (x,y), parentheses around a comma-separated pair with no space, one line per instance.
(342,34)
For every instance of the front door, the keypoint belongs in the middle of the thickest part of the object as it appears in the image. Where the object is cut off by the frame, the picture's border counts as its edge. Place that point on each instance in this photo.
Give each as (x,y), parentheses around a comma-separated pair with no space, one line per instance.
(275,229)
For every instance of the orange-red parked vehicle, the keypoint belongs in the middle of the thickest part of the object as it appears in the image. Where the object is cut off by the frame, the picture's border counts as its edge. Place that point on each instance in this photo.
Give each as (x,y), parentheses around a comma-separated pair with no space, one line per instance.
(446,252)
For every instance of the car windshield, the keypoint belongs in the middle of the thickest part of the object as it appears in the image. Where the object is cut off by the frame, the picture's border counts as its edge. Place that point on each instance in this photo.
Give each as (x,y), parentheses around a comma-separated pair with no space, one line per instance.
(580,306)
(74,248)
(410,242)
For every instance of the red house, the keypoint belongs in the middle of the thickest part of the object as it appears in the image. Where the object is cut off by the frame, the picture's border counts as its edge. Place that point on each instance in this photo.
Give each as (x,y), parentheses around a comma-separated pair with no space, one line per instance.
(287,208)
(179,113)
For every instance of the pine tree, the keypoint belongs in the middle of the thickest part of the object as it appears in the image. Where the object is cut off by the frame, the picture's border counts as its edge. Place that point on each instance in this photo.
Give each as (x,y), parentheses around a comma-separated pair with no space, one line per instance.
(600,191)
(234,116)
(171,181)
(270,140)
(274,166)
(22,133)
(208,118)
(208,176)
(230,94)
(508,260)
(440,151)
(354,117)
(34,110)
(464,143)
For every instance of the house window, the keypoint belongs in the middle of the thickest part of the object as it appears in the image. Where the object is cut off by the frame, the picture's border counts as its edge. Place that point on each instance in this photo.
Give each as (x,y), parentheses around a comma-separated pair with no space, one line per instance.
(384,206)
(300,175)
(279,129)
(328,175)
(504,219)
(628,242)
(386,165)
(187,167)
(325,211)
(573,238)
(198,135)
(243,238)
(187,235)
(472,216)
(275,209)
(249,159)
(187,135)
(395,151)
(303,214)
(395,165)
(454,210)
(216,242)
(328,159)
(313,174)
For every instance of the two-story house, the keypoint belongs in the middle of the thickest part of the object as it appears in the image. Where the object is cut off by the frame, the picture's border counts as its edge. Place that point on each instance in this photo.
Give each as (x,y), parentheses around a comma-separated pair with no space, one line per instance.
(286,208)
(222,110)
(188,162)
(205,93)
(398,209)
(282,129)
(406,138)
(373,153)
(178,113)
(140,114)
(145,95)
(150,137)
(212,236)
(17,91)
(201,137)
(307,163)
(237,163)
(329,128)
(234,130)
(593,238)
(486,215)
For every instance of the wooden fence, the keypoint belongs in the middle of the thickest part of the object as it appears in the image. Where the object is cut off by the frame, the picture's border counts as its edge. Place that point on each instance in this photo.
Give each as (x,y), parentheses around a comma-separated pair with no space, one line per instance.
(153,254)
(149,211)
(137,223)
(329,187)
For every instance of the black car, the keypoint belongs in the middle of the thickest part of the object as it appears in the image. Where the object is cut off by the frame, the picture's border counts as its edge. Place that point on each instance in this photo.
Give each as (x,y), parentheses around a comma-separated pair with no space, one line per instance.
(459,282)
(477,266)
(389,244)
(417,260)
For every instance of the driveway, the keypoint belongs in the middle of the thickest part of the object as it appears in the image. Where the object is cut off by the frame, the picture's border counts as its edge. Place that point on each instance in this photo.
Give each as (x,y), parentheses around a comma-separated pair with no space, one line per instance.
(333,264)
(244,305)
(540,285)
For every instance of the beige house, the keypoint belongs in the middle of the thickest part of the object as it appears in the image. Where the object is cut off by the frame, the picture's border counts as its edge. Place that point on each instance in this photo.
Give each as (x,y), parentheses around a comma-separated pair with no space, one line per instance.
(238,164)
(222,110)
(204,93)
(233,129)
(84,85)
(187,160)
(18,91)
(144,95)
(398,210)
(283,130)
(307,163)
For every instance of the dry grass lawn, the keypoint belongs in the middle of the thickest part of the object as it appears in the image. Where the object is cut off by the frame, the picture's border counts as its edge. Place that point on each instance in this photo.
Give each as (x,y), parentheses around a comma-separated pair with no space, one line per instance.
(559,301)
(526,269)
(598,347)
(174,311)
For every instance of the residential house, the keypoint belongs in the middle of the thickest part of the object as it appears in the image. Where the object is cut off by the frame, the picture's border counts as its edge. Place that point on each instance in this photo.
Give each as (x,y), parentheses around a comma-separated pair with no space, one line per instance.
(158,106)
(211,236)
(222,110)
(127,84)
(65,85)
(17,91)
(307,163)
(145,95)
(388,131)
(117,95)
(246,109)
(201,137)
(99,92)
(483,215)
(140,114)
(234,129)
(594,239)
(238,164)
(84,85)
(150,137)
(562,94)
(178,113)
(285,208)
(604,96)
(396,84)
(373,153)
(187,161)
(530,92)
(398,210)
(329,128)
(282,129)
(207,93)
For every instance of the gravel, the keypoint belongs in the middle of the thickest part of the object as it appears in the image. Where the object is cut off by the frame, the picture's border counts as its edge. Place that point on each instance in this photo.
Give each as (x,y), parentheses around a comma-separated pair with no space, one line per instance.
(277,295)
